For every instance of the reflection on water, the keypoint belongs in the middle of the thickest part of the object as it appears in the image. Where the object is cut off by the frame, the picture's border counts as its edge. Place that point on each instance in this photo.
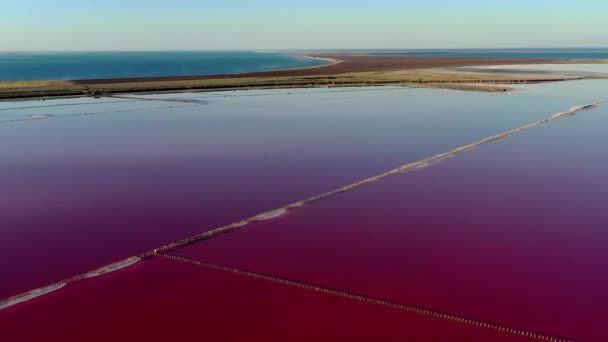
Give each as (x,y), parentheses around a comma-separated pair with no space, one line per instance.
(512,232)
(81,191)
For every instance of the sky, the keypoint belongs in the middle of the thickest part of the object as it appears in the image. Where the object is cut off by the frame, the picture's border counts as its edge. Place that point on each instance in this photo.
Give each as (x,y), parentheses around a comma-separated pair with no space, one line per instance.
(59,25)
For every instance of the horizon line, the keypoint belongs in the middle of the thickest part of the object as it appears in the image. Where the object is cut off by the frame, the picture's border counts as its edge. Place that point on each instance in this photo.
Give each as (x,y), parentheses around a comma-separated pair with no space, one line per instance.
(309,49)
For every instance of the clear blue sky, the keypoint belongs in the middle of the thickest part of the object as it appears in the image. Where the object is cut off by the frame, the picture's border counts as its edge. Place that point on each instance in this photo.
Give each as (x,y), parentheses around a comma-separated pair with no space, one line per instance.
(310,24)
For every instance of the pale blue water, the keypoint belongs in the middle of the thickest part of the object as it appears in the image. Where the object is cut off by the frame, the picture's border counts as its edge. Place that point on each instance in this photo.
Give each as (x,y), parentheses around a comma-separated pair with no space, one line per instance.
(575,70)
(552,53)
(96,65)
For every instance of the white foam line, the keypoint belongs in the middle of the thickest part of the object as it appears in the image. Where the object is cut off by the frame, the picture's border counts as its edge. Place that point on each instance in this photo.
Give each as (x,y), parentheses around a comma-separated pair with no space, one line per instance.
(112,267)
(40,116)
(30,295)
(52,288)
(270,214)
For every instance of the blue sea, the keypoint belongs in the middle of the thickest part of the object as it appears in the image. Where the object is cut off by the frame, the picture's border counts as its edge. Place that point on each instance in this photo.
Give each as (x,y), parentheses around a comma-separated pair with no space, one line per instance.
(96,65)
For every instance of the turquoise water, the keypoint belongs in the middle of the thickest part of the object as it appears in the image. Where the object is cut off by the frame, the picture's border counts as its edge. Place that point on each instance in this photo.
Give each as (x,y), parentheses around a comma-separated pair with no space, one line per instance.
(95,65)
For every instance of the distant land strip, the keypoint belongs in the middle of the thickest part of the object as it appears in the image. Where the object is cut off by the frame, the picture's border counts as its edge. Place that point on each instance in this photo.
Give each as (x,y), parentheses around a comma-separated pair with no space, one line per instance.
(346,70)
(344,64)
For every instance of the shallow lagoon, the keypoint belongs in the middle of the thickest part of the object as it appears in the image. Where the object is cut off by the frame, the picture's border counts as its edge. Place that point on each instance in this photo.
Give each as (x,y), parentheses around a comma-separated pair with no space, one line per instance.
(572,70)
(512,232)
(104,65)
(80,191)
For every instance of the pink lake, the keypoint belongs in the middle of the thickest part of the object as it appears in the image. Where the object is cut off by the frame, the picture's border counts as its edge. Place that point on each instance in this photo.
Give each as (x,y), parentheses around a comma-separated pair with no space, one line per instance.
(163,300)
(513,232)
(81,191)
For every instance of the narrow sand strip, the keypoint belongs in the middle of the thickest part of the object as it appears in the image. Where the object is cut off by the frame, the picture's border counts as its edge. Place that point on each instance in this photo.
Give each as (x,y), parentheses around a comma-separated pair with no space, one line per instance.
(112,267)
(27,296)
(7,303)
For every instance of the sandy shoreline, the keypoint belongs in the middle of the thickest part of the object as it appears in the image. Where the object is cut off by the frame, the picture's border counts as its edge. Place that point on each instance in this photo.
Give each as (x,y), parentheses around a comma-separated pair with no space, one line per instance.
(342,64)
(344,70)
(332,60)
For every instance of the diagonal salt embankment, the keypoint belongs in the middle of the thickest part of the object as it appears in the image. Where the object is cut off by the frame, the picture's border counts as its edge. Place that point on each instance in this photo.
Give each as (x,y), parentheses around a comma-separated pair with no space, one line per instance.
(280,211)
(24,297)
(410,166)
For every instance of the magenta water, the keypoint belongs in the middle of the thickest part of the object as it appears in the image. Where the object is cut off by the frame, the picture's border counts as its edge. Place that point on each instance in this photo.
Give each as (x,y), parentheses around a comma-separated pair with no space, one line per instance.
(194,303)
(513,232)
(80,191)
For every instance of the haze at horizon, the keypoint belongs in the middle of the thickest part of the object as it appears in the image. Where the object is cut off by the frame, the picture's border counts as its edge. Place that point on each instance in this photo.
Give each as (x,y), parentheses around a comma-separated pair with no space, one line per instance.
(36,25)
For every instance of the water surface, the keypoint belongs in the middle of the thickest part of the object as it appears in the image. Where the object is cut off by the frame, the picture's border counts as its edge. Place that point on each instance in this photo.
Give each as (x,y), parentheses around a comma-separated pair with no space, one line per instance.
(512,232)
(194,303)
(96,65)
(81,191)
